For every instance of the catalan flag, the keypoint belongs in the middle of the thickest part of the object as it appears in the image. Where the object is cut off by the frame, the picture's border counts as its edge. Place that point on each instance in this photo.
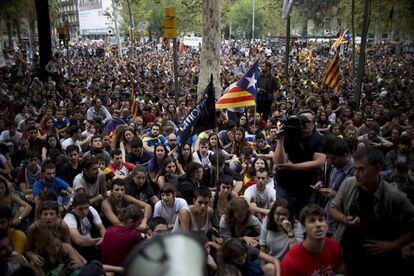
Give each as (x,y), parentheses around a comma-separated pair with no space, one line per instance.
(341,40)
(242,93)
(134,106)
(331,78)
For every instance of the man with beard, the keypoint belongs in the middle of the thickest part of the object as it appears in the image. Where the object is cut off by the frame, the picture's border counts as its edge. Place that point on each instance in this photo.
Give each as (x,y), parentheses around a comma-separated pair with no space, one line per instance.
(350,137)
(267,86)
(92,182)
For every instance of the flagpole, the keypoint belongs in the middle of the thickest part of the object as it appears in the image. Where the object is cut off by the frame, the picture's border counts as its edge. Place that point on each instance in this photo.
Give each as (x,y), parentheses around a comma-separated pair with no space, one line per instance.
(254,122)
(287,49)
(217,155)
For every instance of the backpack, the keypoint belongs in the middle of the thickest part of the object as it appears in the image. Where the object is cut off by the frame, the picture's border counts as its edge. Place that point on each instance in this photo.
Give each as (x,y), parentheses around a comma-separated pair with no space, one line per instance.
(94,230)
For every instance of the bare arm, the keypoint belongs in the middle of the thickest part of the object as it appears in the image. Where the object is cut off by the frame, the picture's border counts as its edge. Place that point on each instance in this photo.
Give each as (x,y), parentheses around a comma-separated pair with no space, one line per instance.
(280,155)
(23,204)
(109,214)
(81,240)
(254,208)
(185,220)
(147,208)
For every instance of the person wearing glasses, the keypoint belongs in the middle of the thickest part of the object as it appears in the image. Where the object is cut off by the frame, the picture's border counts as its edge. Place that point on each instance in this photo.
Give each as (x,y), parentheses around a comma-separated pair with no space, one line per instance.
(280,230)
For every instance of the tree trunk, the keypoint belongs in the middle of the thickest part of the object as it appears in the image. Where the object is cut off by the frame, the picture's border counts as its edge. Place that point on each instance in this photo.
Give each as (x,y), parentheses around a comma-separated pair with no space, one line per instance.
(361,64)
(9,33)
(353,39)
(19,35)
(43,30)
(210,49)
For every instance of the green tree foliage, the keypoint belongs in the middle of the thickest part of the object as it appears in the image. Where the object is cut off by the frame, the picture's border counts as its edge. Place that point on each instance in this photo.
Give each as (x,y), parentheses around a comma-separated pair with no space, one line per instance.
(386,16)
(239,15)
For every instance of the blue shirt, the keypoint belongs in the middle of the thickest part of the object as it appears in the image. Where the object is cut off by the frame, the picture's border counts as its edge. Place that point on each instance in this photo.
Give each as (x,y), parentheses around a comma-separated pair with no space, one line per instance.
(57,185)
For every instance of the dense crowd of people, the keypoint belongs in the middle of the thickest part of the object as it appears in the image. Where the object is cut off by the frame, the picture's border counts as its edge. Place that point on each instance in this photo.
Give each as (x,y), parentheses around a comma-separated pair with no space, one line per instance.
(307,183)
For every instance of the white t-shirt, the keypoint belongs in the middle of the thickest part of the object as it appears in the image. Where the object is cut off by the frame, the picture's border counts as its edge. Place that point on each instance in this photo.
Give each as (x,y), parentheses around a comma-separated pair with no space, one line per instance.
(262,199)
(170,214)
(205,160)
(69,142)
(85,227)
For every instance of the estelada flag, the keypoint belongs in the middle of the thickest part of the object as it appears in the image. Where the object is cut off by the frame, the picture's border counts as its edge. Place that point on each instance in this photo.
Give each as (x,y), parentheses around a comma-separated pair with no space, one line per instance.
(341,40)
(242,93)
(331,78)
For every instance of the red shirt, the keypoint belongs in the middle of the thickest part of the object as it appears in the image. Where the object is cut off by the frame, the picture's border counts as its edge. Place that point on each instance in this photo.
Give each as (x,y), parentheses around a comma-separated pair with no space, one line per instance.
(118,242)
(299,261)
(125,169)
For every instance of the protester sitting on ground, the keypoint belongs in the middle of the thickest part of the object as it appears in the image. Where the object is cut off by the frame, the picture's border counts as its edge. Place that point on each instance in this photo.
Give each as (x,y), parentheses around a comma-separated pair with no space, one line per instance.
(247,258)
(221,198)
(239,222)
(399,177)
(17,237)
(184,158)
(72,167)
(29,174)
(119,168)
(321,253)
(190,181)
(157,226)
(280,230)
(86,228)
(153,138)
(59,257)
(10,260)
(169,206)
(19,208)
(198,216)
(50,181)
(260,196)
(96,147)
(119,240)
(167,173)
(138,155)
(91,181)
(139,187)
(49,219)
(155,164)
(117,201)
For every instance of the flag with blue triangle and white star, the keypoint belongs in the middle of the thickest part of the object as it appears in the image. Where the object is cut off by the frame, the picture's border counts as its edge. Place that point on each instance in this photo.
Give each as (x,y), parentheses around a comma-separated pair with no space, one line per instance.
(242,93)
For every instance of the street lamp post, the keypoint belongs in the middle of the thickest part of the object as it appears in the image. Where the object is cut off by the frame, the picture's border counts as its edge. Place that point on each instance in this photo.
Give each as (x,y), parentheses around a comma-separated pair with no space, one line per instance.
(253,19)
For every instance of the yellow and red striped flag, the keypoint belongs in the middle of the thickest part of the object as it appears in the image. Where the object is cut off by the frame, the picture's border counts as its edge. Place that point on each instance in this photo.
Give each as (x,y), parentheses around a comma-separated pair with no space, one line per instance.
(310,58)
(341,40)
(331,78)
(134,106)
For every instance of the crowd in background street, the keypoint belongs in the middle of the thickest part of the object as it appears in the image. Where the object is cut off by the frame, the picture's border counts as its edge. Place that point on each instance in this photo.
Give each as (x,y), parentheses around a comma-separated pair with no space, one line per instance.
(308,182)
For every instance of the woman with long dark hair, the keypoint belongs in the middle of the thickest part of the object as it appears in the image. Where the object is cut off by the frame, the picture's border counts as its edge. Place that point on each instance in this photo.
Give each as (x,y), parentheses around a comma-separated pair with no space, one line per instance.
(155,164)
(52,142)
(185,157)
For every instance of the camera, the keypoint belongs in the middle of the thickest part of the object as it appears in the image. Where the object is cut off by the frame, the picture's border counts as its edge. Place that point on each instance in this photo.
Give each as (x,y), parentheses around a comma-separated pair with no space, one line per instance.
(293,126)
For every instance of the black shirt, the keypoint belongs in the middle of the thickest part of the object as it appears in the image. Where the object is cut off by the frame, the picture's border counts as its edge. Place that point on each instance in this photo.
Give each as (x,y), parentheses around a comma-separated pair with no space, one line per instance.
(299,151)
(143,193)
(68,173)
(138,159)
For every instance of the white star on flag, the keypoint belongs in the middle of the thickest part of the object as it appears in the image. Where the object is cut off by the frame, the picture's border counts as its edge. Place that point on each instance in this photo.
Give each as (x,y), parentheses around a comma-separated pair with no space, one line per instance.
(252,81)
